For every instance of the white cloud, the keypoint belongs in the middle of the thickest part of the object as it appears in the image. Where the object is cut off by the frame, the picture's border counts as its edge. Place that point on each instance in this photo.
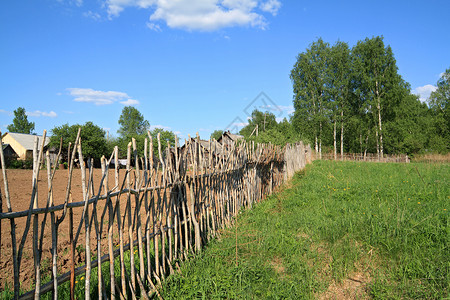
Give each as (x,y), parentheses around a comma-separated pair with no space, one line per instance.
(92,15)
(130,102)
(6,112)
(202,15)
(38,113)
(289,109)
(240,124)
(271,6)
(115,7)
(424,91)
(154,27)
(100,97)
(78,3)
(160,127)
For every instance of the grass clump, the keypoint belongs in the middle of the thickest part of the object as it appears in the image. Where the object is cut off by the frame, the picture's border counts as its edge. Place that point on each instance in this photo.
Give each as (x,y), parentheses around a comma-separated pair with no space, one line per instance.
(361,230)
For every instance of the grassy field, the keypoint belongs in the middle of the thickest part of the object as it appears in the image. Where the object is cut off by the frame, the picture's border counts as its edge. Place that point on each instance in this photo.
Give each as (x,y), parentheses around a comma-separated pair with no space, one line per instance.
(338,230)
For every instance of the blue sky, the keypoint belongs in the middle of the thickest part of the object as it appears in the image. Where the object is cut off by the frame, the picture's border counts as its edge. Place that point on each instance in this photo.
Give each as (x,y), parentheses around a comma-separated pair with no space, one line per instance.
(191,66)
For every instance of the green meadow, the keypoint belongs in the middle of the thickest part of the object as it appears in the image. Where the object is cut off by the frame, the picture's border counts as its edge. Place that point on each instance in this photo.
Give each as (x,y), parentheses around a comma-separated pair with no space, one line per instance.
(337,229)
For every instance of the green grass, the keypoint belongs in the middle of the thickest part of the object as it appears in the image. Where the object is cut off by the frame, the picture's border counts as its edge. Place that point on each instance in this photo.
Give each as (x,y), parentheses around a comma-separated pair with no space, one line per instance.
(386,224)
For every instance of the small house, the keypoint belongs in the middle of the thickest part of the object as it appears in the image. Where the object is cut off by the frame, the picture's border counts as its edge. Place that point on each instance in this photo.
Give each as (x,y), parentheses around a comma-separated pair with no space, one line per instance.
(229,138)
(22,144)
(206,146)
(8,153)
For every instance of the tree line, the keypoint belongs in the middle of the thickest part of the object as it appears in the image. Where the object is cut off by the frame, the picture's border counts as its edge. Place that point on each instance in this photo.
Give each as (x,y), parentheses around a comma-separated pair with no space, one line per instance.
(355,97)
(353,100)
(95,141)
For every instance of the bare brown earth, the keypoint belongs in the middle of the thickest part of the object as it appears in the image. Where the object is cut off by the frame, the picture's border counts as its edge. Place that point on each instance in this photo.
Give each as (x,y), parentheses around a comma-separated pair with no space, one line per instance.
(20,187)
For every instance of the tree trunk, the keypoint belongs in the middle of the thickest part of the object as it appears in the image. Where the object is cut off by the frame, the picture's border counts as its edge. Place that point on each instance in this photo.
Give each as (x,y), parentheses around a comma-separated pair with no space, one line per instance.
(367,143)
(316,145)
(320,140)
(379,119)
(360,144)
(334,140)
(378,144)
(342,134)
(320,148)
(379,127)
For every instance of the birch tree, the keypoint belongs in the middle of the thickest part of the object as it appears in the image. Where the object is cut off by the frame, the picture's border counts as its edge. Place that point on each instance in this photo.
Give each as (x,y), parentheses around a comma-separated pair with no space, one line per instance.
(309,83)
(339,71)
(439,103)
(376,66)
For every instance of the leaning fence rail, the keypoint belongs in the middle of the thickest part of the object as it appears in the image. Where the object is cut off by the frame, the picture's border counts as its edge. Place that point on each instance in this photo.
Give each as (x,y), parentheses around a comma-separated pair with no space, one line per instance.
(162,210)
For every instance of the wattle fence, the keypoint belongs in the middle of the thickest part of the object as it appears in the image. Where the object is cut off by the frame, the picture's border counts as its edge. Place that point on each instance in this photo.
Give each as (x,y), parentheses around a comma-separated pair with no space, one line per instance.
(139,228)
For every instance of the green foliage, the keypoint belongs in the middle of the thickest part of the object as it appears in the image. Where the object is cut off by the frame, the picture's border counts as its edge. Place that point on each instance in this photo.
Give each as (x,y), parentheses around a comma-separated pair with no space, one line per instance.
(93,140)
(378,82)
(388,222)
(20,122)
(440,108)
(356,99)
(281,134)
(166,137)
(263,120)
(309,82)
(132,123)
(216,134)
(20,164)
(408,131)
(263,128)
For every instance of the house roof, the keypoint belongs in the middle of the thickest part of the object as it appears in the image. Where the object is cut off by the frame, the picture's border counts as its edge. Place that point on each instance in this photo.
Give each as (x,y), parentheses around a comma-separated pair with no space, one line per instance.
(27,140)
(235,136)
(216,146)
(232,136)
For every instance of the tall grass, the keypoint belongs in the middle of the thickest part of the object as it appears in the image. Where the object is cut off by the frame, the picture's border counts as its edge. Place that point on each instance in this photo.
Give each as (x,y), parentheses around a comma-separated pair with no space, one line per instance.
(384,224)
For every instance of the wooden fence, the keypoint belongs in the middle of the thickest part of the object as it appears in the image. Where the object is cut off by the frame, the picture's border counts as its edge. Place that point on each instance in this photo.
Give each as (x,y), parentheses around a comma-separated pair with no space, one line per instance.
(371,157)
(161,211)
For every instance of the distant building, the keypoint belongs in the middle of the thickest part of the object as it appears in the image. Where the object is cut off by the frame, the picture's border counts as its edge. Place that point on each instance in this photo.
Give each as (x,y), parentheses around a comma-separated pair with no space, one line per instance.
(8,153)
(216,148)
(22,144)
(229,138)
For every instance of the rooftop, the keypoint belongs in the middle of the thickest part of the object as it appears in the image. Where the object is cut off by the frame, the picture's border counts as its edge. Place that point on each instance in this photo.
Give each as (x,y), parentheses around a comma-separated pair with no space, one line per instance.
(27,140)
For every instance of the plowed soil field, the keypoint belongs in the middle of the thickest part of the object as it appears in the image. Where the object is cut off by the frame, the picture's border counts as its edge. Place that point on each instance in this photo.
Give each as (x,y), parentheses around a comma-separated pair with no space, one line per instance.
(20,189)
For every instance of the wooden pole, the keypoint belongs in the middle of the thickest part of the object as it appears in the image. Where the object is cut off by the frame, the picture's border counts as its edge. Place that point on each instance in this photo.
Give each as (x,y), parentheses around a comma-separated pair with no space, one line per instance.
(138,215)
(37,254)
(110,229)
(130,225)
(12,224)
